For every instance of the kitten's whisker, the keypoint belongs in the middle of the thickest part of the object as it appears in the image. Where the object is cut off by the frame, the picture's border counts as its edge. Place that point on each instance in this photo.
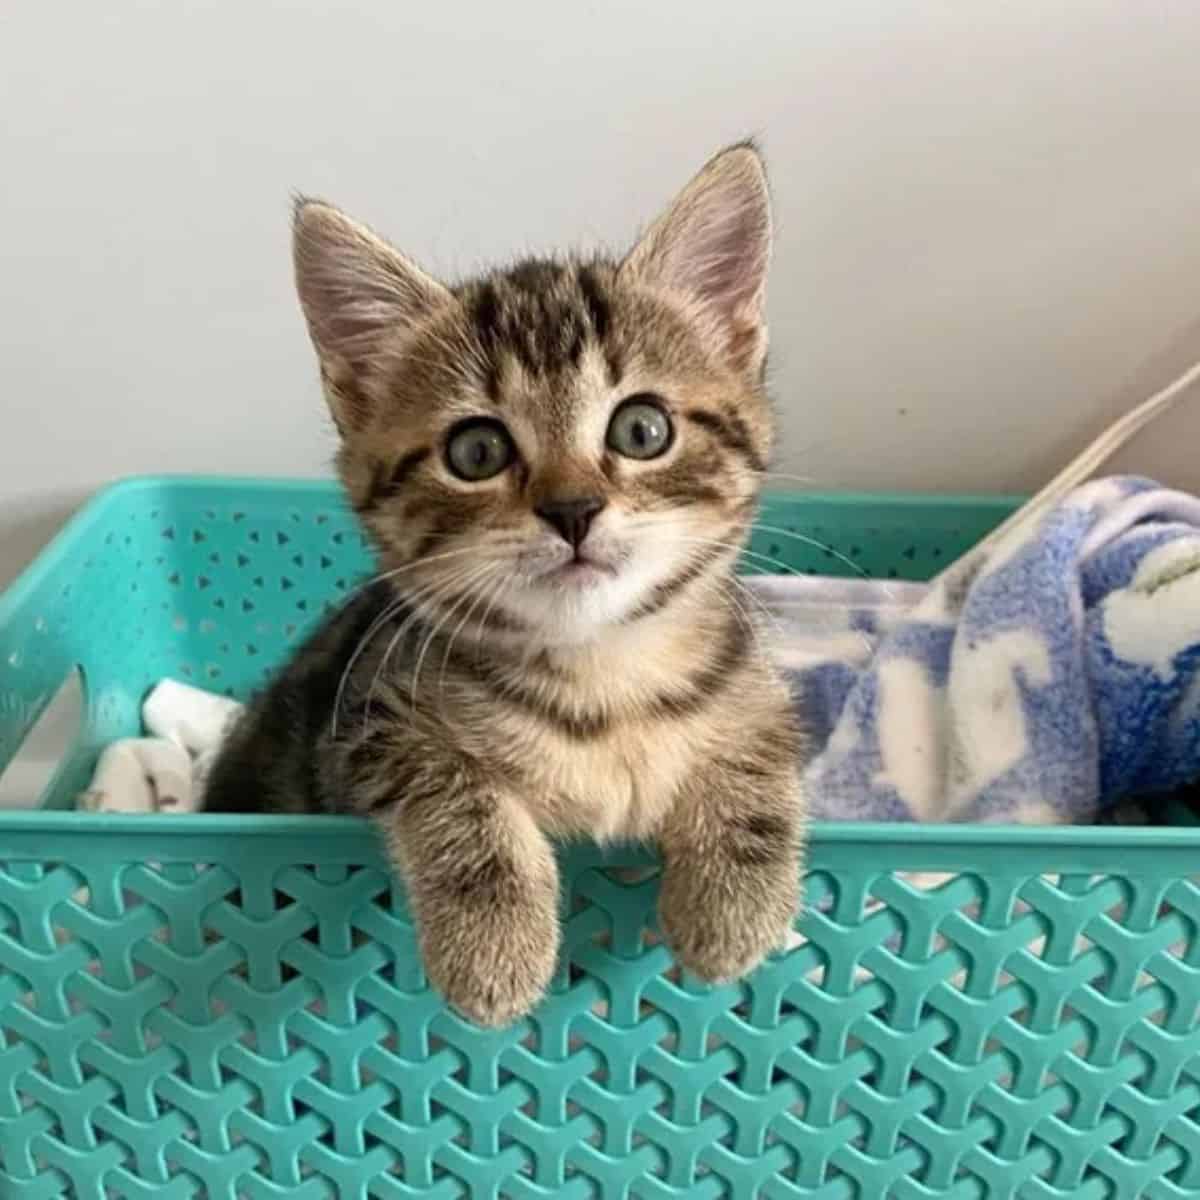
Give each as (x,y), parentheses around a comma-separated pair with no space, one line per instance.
(743,616)
(487,612)
(736,549)
(790,570)
(806,480)
(738,583)
(763,607)
(502,581)
(405,625)
(389,611)
(409,566)
(777,531)
(744,552)
(432,592)
(466,584)
(482,588)
(409,623)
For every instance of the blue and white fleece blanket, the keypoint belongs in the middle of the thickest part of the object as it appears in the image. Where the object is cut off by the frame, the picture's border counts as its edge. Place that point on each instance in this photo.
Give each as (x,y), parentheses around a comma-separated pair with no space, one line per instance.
(1041,679)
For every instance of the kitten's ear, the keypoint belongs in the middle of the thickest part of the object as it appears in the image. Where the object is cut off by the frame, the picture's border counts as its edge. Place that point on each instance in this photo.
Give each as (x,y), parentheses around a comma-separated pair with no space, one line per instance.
(714,245)
(358,293)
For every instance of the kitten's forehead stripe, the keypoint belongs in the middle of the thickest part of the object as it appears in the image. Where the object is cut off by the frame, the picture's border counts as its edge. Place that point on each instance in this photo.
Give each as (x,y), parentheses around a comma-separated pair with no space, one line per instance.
(536,276)
(543,314)
(599,312)
(485,313)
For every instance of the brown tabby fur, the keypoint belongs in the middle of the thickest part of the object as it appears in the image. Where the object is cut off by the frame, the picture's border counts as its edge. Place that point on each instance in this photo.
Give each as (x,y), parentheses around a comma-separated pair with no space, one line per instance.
(471,701)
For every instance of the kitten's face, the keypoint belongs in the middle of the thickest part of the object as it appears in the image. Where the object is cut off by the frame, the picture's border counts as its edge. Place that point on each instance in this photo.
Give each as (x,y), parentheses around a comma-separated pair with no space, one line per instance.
(563,446)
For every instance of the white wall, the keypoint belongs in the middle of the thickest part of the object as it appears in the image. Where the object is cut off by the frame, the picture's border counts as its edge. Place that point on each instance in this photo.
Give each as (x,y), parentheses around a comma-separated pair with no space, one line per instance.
(989,213)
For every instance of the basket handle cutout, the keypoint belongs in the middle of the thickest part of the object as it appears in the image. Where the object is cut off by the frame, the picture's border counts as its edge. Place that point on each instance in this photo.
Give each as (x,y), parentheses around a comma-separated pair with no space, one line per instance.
(48,739)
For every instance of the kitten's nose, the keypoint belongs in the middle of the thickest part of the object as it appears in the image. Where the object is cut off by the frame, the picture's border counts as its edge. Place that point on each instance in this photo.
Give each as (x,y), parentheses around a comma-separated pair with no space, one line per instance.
(571,519)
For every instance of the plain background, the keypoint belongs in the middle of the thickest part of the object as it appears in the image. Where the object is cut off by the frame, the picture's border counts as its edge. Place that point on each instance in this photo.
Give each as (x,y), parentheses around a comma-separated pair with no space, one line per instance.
(988,213)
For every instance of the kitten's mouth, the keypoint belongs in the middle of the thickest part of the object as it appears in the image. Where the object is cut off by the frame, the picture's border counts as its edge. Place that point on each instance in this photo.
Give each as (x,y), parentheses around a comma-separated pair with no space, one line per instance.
(580,571)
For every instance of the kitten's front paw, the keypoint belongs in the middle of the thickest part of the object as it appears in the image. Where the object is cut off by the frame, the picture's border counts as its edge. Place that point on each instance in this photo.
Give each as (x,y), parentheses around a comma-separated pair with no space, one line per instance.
(721,932)
(493,965)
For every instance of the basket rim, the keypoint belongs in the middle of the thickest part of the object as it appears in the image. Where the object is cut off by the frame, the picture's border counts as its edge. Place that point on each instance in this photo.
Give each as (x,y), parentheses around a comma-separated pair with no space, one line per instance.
(91,510)
(820,833)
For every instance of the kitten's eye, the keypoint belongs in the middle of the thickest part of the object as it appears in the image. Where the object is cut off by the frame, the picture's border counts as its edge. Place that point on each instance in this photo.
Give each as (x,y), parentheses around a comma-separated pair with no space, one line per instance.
(640,428)
(478,449)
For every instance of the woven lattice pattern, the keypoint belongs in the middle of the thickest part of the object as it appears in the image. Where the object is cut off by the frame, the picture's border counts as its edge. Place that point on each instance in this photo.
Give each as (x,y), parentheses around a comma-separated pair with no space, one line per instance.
(210,1031)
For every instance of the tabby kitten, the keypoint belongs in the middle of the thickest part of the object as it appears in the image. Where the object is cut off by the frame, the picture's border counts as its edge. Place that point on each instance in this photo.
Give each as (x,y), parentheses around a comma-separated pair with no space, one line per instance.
(558,464)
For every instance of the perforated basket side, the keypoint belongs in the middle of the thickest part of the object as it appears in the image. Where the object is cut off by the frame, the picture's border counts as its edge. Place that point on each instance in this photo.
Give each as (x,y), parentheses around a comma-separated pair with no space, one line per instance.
(880,536)
(230,1008)
(194,579)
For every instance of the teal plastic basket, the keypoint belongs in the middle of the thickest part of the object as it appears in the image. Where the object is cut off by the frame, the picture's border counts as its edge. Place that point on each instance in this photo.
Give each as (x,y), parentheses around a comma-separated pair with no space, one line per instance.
(233,1007)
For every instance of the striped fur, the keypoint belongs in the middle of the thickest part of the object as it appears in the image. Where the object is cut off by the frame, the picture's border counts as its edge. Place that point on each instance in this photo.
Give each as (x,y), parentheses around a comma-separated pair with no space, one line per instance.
(500,686)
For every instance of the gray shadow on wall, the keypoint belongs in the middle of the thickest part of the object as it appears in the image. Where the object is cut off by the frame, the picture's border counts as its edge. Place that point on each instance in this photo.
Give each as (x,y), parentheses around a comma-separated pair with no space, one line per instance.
(28,526)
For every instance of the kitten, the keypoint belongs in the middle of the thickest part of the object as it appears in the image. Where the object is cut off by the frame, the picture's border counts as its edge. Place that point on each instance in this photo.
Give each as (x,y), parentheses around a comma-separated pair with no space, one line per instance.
(558,464)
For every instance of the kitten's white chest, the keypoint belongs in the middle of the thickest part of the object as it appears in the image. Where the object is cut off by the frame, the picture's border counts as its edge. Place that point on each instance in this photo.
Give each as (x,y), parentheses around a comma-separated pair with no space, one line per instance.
(610,789)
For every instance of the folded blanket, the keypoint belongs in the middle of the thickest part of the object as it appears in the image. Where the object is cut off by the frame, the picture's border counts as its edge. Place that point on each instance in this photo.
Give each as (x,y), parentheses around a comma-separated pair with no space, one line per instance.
(1041,681)
(165,771)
